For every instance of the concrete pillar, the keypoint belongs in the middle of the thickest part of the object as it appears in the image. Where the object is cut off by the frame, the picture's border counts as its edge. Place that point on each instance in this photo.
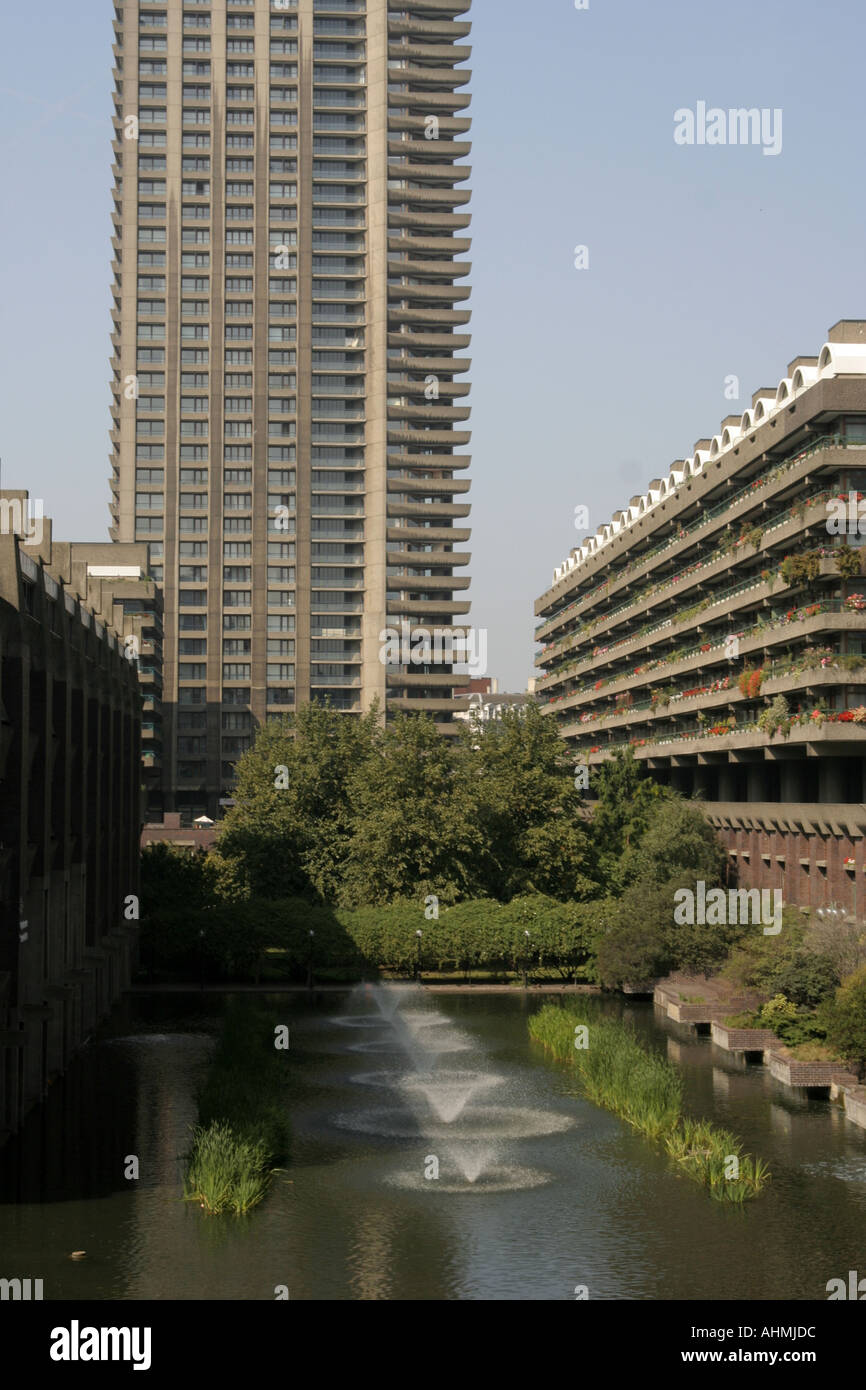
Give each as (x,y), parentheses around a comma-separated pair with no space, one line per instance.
(790,782)
(756,782)
(727,783)
(831,780)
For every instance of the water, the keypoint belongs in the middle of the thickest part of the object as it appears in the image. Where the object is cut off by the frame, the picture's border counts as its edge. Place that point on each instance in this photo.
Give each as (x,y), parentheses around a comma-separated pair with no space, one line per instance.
(537,1192)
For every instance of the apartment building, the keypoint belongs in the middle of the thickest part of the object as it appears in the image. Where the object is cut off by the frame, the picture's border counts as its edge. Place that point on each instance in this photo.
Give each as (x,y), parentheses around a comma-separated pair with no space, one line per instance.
(289,370)
(717,626)
(70,804)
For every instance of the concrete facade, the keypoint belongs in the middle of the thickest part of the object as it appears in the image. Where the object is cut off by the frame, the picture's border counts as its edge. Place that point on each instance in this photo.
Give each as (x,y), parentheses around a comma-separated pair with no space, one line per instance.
(288,369)
(717,626)
(70,810)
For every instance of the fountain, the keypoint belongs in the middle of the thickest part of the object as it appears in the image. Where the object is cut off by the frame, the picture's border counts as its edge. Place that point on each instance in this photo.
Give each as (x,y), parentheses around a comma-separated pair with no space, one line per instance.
(443,1101)
(448,1093)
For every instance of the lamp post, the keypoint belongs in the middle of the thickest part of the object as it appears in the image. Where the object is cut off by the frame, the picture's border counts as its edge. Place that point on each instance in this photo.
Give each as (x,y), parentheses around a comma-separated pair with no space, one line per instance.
(419,936)
(310,964)
(525,959)
(201,958)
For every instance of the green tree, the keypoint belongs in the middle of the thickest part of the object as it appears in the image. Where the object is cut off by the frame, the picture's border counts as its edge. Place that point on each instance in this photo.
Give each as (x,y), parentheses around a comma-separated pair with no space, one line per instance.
(410,833)
(627,798)
(845,1020)
(677,840)
(518,782)
(289,831)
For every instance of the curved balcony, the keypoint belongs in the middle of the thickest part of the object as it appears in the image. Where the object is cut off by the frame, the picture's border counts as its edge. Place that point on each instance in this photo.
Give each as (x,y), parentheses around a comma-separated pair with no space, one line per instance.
(428,608)
(416,534)
(427,102)
(429,485)
(428,509)
(443,149)
(431,413)
(428,52)
(430,172)
(435,28)
(398,217)
(421,583)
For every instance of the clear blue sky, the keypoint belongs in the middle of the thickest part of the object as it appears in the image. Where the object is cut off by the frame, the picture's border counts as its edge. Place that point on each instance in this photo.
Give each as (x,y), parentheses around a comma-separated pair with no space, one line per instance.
(704,261)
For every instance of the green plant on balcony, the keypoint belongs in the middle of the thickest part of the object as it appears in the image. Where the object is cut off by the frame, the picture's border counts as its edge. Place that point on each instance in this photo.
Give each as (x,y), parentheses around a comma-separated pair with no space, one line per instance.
(753,537)
(776,718)
(847,561)
(851,661)
(801,569)
(689,613)
(727,543)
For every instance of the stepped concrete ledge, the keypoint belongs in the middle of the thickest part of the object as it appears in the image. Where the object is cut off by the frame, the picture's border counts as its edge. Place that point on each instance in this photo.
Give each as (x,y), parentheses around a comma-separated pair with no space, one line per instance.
(697,1001)
(759,1040)
(854,1098)
(790,1072)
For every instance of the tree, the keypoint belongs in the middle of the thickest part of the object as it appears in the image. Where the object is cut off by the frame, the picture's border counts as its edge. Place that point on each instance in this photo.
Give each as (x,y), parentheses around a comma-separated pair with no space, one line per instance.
(678,840)
(410,831)
(845,1020)
(644,940)
(518,782)
(627,799)
(288,832)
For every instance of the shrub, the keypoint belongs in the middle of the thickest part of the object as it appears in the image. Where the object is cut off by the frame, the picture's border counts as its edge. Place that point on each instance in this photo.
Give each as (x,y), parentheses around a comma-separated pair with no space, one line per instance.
(845,1019)
(847,561)
(775,718)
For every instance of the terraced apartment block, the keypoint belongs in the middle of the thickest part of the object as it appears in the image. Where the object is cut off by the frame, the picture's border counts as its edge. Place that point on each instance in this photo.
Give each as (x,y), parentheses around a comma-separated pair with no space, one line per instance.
(289,371)
(717,625)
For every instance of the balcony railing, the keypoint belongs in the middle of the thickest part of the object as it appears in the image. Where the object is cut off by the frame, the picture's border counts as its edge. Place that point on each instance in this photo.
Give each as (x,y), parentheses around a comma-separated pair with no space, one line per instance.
(708,514)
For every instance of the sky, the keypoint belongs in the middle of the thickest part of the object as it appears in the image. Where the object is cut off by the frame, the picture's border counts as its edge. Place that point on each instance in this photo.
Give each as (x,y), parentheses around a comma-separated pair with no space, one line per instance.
(703,261)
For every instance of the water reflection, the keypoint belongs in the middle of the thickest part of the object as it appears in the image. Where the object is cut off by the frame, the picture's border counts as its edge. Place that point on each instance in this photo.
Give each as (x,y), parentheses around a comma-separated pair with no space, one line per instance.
(538,1191)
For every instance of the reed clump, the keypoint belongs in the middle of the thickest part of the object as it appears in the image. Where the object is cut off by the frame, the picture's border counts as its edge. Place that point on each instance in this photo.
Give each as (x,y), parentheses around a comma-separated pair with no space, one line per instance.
(243,1126)
(621,1075)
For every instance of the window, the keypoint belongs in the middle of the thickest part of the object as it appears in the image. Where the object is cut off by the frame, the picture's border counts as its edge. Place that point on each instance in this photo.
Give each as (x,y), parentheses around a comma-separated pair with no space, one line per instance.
(236,646)
(192,670)
(236,671)
(237,598)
